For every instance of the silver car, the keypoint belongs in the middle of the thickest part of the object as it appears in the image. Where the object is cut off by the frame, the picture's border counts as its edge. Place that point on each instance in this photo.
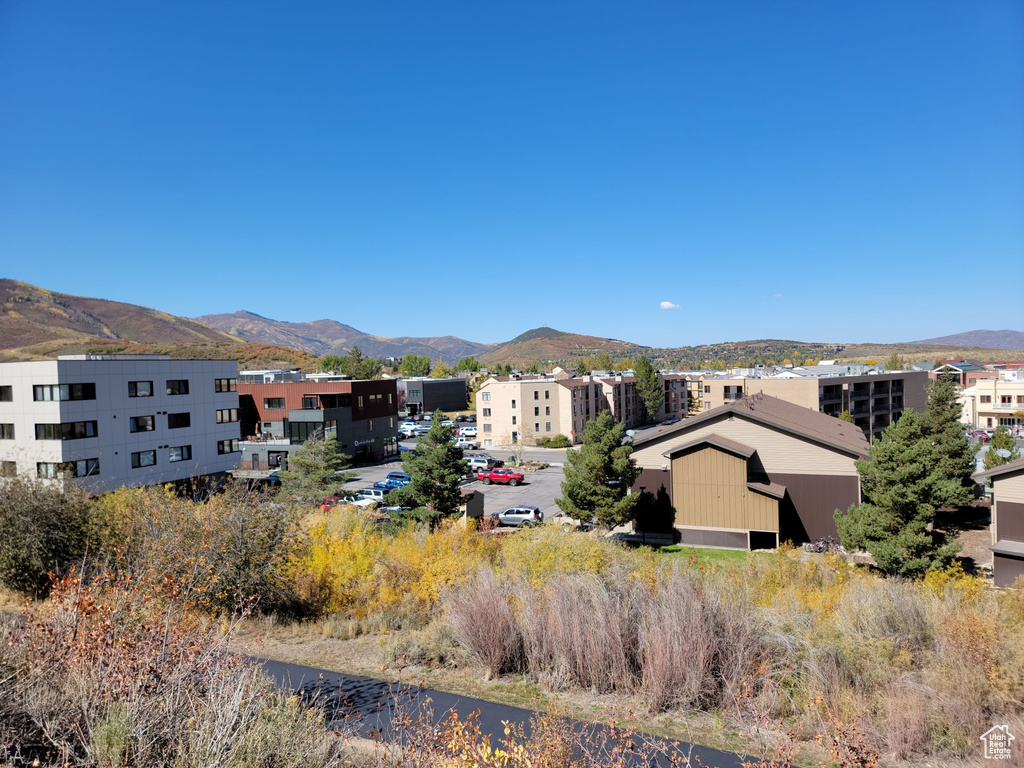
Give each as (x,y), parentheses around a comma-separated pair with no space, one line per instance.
(520,516)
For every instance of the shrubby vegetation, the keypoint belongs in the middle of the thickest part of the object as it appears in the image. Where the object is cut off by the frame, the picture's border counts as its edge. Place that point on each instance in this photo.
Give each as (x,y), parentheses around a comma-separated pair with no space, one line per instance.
(558,441)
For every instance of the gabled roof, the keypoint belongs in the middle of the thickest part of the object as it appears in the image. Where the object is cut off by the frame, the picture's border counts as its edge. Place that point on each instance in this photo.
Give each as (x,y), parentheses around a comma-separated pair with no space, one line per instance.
(785,416)
(774,490)
(1003,469)
(719,442)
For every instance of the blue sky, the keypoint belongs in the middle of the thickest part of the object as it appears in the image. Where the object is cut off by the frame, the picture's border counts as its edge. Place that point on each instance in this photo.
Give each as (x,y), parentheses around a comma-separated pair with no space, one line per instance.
(822,171)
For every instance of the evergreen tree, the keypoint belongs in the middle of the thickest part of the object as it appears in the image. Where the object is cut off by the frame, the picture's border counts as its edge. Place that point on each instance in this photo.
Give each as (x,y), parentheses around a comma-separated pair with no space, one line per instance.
(952,456)
(1002,440)
(649,387)
(315,470)
(435,472)
(598,476)
(331,363)
(900,483)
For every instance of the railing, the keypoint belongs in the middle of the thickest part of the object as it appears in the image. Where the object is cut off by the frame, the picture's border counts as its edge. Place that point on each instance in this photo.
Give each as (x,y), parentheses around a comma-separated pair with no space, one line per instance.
(265,441)
(1004,406)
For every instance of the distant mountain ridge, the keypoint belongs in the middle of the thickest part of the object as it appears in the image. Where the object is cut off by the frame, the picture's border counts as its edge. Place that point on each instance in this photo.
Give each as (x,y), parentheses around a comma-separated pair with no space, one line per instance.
(323,337)
(543,344)
(1005,339)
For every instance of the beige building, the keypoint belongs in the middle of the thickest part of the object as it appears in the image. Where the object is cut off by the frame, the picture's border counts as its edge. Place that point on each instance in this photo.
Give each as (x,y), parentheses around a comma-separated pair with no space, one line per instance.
(750,474)
(525,407)
(1007,521)
(874,399)
(994,403)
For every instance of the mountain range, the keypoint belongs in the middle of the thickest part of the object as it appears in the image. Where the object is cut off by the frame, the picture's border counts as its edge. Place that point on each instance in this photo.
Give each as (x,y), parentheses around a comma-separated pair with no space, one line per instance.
(36,323)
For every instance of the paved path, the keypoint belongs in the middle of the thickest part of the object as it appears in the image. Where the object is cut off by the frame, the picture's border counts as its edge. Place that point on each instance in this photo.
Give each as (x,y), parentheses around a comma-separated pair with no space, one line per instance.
(371,705)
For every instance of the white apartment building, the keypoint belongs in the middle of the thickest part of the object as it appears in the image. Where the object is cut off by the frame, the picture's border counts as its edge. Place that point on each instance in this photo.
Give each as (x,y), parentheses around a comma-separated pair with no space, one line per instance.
(993,403)
(116,420)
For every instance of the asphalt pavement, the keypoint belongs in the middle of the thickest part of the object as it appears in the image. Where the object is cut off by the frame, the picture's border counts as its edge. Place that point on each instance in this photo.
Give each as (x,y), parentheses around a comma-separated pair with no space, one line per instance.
(370,706)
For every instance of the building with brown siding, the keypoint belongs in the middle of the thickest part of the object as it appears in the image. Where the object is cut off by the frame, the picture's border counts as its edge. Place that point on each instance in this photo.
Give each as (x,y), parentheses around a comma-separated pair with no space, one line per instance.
(1007,521)
(277,415)
(753,472)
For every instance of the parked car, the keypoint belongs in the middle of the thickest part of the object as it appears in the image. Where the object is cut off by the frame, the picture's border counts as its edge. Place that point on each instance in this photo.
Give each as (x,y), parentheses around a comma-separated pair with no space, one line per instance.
(477,463)
(493,461)
(407,433)
(408,424)
(519,516)
(411,451)
(468,432)
(447,423)
(422,430)
(673,420)
(372,493)
(465,442)
(501,476)
(390,484)
(471,418)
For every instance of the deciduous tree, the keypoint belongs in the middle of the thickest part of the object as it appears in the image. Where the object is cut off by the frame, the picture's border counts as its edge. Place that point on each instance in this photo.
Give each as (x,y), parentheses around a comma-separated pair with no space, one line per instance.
(470,364)
(598,476)
(1002,440)
(415,365)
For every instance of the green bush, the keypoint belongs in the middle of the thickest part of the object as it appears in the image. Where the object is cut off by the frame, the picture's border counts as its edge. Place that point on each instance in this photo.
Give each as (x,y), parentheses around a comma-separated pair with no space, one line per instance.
(43,530)
(559,441)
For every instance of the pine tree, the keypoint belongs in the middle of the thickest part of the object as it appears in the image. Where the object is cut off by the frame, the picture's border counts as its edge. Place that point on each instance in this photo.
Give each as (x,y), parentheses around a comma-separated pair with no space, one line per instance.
(598,476)
(1002,440)
(315,470)
(649,387)
(900,483)
(435,472)
(952,456)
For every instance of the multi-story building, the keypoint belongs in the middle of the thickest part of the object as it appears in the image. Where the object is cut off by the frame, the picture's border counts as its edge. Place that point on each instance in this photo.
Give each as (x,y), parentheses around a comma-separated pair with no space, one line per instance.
(426,395)
(278,417)
(993,403)
(873,398)
(116,420)
(965,373)
(510,408)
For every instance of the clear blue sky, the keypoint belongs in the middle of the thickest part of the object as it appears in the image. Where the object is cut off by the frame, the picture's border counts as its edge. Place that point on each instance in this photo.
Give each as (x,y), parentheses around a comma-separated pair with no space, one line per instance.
(823,171)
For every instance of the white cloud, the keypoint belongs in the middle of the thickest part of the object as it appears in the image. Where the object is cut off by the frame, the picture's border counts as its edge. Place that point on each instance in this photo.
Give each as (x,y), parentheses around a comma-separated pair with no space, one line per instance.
(776,295)
(669,305)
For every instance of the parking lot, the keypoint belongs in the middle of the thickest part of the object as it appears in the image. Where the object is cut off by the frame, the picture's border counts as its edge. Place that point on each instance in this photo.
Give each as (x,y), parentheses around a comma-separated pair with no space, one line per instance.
(540,489)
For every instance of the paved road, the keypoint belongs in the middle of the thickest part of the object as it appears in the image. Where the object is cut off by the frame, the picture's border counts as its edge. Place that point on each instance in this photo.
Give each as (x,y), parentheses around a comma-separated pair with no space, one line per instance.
(370,705)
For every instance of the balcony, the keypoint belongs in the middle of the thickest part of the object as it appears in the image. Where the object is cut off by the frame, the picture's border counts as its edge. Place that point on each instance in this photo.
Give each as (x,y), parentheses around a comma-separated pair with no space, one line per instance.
(1003,406)
(252,440)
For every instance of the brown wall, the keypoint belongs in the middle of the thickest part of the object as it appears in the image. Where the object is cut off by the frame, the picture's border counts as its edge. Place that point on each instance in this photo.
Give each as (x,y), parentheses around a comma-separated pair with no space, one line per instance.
(1006,569)
(293,391)
(811,501)
(1009,520)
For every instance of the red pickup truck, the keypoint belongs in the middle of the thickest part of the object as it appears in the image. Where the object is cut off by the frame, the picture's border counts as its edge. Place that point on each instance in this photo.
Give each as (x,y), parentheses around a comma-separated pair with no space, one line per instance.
(500,476)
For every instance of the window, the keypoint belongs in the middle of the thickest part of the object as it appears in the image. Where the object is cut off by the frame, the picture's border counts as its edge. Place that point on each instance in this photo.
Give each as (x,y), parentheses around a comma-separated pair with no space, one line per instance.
(6,431)
(418,393)
(177,386)
(536,394)
(227,446)
(179,453)
(74,430)
(140,389)
(273,402)
(547,426)
(487,412)
(536,427)
(369,425)
(143,459)
(142,424)
(82,467)
(487,427)
(513,419)
(225,385)
(179,420)
(6,394)
(309,403)
(391,422)
(8,468)
(48,392)
(48,469)
(359,401)
(547,410)
(486,396)
(513,405)
(227,415)
(536,411)
(547,394)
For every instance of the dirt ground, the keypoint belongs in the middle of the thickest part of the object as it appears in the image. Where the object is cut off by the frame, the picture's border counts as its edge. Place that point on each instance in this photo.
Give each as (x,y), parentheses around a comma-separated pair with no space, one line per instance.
(970,527)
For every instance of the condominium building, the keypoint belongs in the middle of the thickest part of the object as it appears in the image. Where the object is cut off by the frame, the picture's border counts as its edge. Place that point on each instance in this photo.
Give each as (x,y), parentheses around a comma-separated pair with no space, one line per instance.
(873,398)
(993,403)
(278,417)
(119,420)
(511,408)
